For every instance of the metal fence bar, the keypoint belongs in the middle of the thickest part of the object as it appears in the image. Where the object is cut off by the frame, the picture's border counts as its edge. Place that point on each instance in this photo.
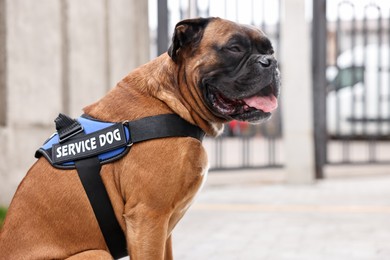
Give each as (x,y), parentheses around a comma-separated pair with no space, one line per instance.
(337,53)
(319,84)
(388,69)
(245,152)
(379,70)
(354,70)
(372,151)
(162,28)
(365,53)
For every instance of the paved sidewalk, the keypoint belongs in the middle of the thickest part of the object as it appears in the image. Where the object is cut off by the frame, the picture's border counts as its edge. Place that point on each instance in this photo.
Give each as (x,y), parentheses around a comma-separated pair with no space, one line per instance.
(250,215)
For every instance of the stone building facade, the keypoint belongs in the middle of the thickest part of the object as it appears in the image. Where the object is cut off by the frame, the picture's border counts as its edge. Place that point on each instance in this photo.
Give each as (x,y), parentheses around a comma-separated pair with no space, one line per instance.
(59,56)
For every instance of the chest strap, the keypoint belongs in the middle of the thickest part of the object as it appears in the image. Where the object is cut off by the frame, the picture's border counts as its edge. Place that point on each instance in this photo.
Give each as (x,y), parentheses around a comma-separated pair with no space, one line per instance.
(89,174)
(88,168)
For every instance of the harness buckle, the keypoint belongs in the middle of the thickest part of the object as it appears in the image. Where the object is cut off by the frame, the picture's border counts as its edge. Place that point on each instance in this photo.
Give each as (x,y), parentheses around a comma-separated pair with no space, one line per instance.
(126,124)
(74,131)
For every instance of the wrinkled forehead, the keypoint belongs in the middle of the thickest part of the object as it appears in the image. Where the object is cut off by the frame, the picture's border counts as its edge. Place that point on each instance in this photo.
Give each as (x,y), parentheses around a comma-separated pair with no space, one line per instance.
(222,32)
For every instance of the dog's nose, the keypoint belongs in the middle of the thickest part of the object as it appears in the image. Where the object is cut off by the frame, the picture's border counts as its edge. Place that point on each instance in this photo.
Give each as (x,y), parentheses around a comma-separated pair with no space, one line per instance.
(265,61)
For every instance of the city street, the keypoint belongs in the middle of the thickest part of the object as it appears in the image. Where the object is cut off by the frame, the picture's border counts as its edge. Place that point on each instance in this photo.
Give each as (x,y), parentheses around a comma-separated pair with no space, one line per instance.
(255,215)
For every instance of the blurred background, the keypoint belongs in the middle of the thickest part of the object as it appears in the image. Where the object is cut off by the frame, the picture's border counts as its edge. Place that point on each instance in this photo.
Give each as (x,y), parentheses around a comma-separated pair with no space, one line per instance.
(334,116)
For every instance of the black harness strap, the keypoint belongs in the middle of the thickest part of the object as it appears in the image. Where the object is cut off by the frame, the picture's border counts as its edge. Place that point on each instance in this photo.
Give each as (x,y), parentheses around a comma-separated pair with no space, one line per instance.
(89,173)
(167,125)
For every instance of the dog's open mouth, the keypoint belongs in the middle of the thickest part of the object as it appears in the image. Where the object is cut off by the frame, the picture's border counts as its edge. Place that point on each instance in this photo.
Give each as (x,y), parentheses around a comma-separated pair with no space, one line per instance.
(260,104)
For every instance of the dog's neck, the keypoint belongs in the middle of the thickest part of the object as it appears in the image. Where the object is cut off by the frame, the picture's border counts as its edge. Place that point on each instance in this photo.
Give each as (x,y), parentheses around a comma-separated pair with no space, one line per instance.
(154,89)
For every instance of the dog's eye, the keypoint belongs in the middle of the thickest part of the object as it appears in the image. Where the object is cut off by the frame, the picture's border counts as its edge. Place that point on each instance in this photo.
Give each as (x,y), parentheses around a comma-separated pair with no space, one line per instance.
(234,48)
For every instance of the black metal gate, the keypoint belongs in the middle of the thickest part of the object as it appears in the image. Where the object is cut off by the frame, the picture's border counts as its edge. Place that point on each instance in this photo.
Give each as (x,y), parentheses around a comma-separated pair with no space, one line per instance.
(351,81)
(242,146)
(357,88)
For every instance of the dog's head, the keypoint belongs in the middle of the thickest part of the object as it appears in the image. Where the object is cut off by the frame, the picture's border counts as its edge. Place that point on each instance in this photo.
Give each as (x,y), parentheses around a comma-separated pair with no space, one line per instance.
(232,66)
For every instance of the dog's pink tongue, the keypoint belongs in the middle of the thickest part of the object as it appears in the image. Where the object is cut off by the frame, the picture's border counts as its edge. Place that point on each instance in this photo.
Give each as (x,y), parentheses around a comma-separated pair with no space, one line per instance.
(267,103)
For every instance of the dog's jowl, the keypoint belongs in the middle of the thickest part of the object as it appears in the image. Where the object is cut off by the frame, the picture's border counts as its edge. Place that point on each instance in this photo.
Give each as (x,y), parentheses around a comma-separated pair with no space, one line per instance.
(214,71)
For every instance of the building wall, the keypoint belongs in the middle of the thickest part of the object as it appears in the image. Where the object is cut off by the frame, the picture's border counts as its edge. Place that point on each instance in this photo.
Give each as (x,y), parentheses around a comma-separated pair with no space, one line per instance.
(59,56)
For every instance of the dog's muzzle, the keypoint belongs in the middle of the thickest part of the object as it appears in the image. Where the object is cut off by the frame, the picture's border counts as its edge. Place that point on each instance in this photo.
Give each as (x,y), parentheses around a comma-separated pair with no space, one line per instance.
(253,102)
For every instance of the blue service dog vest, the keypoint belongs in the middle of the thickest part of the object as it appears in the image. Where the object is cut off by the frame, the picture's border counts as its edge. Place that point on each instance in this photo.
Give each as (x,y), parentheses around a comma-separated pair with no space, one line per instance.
(86,143)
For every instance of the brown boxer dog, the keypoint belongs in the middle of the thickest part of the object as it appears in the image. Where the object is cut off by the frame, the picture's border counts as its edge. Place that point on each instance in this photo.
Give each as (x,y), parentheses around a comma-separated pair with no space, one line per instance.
(214,71)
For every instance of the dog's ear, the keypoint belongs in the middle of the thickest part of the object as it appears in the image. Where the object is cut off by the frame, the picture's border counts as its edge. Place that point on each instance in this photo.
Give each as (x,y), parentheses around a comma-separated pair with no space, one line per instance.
(187,32)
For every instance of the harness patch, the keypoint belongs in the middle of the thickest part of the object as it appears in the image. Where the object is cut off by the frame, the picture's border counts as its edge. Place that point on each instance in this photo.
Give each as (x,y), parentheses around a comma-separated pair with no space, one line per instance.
(89,145)
(108,141)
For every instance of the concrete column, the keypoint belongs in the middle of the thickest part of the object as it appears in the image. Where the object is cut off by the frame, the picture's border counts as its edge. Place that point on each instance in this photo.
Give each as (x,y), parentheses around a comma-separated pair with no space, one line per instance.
(107,39)
(33,79)
(87,48)
(297,93)
(128,37)
(33,61)
(33,95)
